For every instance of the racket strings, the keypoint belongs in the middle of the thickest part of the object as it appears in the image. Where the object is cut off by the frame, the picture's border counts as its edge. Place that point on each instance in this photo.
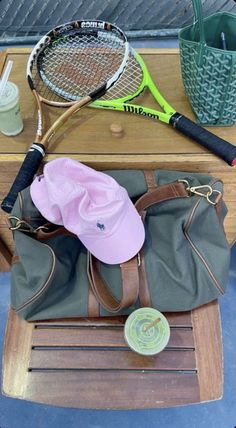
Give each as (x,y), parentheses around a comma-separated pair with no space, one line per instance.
(130,83)
(73,66)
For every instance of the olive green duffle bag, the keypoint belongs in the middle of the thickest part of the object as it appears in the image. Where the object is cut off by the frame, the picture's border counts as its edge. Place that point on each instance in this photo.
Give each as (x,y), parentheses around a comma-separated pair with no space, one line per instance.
(183,264)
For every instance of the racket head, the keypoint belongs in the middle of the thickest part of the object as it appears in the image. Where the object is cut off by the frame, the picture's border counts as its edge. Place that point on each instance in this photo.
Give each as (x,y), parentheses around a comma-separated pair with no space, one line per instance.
(77,59)
(132,83)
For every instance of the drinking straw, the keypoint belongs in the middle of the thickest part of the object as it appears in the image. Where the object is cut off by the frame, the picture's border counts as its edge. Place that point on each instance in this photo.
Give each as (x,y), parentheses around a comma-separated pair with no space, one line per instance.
(5,76)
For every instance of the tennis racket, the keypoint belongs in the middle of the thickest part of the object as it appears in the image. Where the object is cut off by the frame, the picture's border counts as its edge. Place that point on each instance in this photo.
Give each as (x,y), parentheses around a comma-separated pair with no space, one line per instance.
(81,59)
(132,83)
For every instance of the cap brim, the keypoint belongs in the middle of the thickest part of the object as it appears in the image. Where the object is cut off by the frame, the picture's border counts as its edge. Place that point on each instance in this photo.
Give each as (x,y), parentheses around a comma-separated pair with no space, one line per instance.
(123,244)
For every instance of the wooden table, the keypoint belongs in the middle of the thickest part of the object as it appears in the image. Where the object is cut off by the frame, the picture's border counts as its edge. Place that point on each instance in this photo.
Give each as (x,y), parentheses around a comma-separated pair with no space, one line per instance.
(85,363)
(144,143)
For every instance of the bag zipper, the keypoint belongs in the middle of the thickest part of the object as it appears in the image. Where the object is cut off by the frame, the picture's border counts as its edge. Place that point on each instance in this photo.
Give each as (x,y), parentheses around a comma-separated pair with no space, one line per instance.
(185,230)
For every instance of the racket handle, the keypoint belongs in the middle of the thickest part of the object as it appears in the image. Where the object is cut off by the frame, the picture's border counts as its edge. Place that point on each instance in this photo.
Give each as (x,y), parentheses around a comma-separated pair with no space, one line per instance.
(216,145)
(25,175)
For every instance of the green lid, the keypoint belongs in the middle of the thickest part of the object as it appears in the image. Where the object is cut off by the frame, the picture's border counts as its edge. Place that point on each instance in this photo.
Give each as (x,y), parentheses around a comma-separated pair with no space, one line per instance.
(147,331)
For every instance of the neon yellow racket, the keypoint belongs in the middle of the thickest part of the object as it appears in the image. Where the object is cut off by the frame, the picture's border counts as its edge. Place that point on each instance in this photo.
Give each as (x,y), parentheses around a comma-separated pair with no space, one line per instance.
(133,82)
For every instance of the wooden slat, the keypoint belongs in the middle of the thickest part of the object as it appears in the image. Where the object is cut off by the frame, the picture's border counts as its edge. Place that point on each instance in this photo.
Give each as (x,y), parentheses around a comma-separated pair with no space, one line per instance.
(3,56)
(107,336)
(111,360)
(197,163)
(122,390)
(208,343)
(177,319)
(17,348)
(5,257)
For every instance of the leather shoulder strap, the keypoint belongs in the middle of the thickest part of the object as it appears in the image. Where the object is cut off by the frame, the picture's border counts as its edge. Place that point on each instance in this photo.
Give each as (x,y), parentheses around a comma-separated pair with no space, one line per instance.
(130,285)
(160,194)
(129,269)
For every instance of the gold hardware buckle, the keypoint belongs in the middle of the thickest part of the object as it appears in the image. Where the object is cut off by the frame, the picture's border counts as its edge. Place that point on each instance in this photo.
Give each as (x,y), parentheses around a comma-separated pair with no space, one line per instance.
(19,224)
(23,226)
(199,190)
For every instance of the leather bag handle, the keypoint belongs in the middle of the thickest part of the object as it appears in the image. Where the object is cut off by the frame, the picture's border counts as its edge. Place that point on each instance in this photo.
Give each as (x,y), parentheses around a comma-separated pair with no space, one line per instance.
(129,269)
(130,285)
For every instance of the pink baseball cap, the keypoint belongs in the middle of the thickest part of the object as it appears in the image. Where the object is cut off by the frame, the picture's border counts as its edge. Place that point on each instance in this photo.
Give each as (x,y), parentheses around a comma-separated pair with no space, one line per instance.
(91,205)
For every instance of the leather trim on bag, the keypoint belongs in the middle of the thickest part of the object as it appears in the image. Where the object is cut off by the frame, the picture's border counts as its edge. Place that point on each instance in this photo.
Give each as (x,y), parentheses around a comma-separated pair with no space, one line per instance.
(144,294)
(185,230)
(60,230)
(43,288)
(93,305)
(161,194)
(15,259)
(218,206)
(150,178)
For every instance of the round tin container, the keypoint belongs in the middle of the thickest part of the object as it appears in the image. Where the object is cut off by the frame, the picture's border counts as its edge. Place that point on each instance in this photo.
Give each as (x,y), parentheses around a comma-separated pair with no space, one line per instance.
(147,331)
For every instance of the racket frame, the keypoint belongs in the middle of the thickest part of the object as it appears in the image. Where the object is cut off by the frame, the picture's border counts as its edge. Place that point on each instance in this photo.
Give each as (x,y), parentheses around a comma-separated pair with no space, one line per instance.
(37,150)
(123,103)
(72,106)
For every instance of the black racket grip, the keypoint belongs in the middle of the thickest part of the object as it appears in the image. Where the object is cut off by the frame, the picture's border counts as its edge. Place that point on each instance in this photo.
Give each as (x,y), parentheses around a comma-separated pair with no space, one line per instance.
(214,144)
(25,175)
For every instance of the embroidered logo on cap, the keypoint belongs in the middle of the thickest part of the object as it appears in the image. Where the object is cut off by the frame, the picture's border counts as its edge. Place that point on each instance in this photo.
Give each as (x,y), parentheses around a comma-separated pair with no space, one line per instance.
(100,226)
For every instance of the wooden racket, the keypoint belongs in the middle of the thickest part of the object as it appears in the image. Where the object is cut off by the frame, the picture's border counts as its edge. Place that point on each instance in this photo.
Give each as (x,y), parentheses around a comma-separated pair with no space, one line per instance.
(78,61)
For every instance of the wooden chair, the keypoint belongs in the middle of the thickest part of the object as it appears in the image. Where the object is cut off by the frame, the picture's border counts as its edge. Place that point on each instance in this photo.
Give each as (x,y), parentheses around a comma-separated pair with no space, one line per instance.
(85,363)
